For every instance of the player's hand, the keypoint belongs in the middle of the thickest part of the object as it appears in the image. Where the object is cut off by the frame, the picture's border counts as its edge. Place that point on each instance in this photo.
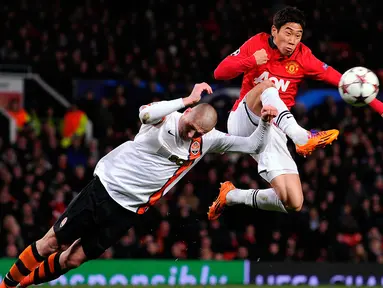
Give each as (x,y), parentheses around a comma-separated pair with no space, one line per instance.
(268,113)
(261,56)
(195,95)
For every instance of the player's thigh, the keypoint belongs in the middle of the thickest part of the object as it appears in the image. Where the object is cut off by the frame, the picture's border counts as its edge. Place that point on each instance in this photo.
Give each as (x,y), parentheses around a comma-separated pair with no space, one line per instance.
(242,122)
(253,99)
(113,221)
(77,218)
(276,159)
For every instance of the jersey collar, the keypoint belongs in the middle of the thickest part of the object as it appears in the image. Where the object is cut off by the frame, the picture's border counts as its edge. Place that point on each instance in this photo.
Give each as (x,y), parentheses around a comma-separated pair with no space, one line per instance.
(274,47)
(271,42)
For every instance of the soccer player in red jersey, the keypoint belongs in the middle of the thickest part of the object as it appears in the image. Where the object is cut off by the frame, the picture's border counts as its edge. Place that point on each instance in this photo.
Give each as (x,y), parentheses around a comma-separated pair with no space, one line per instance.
(273,67)
(283,60)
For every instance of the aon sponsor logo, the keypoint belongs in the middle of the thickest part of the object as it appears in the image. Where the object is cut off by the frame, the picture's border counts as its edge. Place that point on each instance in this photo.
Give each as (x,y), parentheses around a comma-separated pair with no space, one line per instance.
(280,84)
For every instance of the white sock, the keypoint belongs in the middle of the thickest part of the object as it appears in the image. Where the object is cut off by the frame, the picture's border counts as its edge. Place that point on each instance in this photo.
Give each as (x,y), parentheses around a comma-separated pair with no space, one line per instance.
(284,120)
(265,199)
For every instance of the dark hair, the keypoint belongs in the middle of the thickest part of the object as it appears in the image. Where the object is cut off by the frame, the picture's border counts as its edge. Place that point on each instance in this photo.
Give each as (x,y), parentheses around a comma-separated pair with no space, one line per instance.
(287,15)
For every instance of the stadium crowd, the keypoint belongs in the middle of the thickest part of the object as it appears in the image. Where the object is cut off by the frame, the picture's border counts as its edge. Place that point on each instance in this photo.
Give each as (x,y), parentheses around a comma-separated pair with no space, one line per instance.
(342,215)
(170,41)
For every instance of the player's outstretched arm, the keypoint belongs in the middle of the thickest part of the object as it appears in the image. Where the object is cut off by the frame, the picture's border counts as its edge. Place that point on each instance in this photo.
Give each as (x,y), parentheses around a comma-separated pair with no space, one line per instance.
(318,70)
(154,113)
(255,143)
(377,106)
(240,61)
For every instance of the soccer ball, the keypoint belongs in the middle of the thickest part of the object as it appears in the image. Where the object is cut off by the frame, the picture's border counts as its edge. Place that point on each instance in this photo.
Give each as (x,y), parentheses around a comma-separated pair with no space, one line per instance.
(358,86)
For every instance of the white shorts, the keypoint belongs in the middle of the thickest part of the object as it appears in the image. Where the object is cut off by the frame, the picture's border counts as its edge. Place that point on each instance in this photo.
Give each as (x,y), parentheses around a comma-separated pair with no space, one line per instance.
(276,159)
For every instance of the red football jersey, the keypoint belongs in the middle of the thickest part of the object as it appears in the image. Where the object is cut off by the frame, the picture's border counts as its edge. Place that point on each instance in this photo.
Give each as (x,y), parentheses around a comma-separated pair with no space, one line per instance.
(287,72)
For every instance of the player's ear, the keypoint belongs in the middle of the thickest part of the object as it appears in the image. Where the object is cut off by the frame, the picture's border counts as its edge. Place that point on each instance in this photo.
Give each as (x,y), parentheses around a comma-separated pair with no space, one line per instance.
(187,111)
(274,31)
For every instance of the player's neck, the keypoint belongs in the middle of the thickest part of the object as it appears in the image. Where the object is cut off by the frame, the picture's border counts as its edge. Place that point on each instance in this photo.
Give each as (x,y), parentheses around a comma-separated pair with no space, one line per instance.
(274,46)
(272,43)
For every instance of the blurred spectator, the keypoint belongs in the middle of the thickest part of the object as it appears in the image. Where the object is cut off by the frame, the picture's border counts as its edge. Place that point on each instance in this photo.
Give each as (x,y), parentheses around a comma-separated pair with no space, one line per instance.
(89,40)
(74,125)
(18,113)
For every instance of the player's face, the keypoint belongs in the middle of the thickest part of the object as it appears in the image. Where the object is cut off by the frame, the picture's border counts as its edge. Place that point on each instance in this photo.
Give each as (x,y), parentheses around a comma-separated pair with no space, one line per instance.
(287,38)
(189,128)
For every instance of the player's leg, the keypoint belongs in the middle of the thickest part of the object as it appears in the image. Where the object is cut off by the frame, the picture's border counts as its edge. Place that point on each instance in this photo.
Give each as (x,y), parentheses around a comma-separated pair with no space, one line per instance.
(288,187)
(109,222)
(55,265)
(243,122)
(30,258)
(70,225)
(265,93)
(278,168)
(306,141)
(285,195)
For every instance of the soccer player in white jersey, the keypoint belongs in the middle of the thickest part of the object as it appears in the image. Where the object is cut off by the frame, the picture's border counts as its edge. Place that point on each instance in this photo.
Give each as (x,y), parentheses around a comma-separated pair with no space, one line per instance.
(129,180)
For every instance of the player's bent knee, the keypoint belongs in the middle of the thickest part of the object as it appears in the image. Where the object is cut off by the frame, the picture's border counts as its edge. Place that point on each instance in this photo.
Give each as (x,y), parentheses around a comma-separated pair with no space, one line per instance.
(48,244)
(296,208)
(73,261)
(289,190)
(253,97)
(73,257)
(295,203)
(266,84)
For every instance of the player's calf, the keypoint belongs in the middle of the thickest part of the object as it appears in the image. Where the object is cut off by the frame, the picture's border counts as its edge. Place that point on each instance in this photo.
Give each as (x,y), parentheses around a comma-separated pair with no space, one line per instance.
(285,195)
(56,265)
(264,199)
(27,261)
(30,258)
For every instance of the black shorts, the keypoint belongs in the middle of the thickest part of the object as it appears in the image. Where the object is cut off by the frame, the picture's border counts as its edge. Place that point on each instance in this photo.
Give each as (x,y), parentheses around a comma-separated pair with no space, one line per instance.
(94,217)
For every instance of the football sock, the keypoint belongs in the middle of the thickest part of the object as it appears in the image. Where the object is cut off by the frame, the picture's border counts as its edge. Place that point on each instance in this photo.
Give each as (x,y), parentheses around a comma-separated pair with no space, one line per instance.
(377,106)
(49,270)
(284,120)
(265,199)
(28,260)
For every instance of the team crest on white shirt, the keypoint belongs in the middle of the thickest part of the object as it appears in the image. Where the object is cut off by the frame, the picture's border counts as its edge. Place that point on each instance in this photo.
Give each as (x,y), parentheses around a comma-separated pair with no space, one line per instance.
(195,147)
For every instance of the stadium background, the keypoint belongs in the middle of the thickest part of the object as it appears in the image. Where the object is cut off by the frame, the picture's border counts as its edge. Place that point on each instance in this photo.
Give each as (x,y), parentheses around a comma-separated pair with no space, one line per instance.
(108,60)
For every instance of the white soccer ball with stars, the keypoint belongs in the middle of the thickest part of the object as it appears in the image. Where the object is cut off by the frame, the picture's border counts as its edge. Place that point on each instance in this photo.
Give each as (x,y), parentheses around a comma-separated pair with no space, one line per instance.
(358,86)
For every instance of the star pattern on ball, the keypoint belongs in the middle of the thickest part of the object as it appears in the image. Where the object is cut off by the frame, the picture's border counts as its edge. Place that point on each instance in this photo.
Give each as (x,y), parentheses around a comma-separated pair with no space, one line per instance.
(360,99)
(344,88)
(362,78)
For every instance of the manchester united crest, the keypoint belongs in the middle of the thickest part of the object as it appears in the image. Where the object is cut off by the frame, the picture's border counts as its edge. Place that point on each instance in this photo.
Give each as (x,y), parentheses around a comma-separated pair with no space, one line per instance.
(195,147)
(292,67)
